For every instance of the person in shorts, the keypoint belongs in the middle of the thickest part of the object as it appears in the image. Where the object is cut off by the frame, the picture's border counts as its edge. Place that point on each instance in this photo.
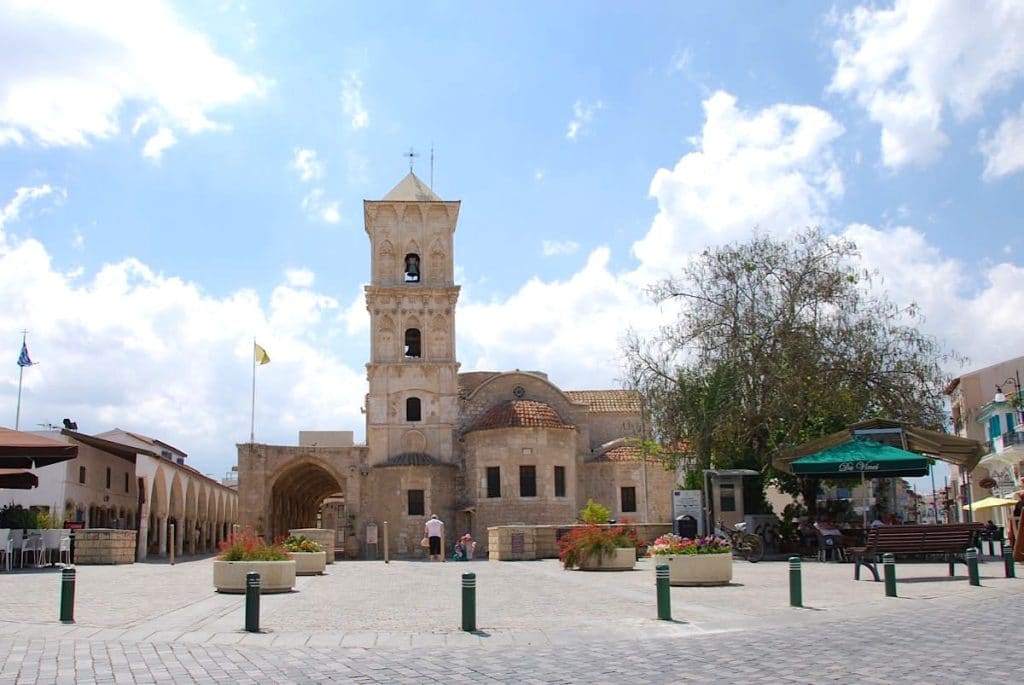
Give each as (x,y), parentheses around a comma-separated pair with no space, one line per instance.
(433,529)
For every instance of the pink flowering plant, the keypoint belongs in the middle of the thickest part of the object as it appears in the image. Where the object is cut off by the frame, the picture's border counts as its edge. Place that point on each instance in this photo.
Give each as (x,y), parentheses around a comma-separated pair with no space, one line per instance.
(673,544)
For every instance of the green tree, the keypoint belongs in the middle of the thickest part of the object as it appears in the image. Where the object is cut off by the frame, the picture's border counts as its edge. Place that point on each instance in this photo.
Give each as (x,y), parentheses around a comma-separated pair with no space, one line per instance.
(777,342)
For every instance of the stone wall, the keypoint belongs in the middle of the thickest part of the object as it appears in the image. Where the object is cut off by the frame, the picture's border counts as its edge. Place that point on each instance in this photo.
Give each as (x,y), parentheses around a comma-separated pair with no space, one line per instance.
(602,481)
(322,536)
(104,546)
(519,543)
(508,449)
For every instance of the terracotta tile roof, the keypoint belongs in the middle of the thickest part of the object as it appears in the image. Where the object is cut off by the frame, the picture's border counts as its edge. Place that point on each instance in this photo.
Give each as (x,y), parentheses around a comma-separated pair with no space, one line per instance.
(520,414)
(413,459)
(620,453)
(601,401)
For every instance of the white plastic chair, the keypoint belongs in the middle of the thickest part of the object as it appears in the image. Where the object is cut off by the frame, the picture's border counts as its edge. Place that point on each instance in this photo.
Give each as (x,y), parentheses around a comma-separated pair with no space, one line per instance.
(51,544)
(33,543)
(5,548)
(64,547)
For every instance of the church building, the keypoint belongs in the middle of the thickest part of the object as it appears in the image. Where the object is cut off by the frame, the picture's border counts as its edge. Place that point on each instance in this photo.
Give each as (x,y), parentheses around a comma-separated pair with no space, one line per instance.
(479,449)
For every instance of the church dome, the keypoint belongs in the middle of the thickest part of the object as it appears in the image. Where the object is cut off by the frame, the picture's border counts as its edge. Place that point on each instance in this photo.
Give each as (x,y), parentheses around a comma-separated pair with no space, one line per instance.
(520,414)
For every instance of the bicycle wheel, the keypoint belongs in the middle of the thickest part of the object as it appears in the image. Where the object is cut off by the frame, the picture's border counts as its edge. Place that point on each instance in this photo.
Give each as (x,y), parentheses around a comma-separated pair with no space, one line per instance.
(754,548)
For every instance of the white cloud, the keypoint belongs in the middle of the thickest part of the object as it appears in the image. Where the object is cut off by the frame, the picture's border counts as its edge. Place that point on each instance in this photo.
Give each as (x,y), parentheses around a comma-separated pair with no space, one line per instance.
(307,165)
(772,169)
(906,64)
(71,69)
(538,175)
(352,101)
(574,326)
(160,141)
(681,60)
(319,208)
(582,117)
(1004,150)
(87,329)
(556,247)
(299,278)
(972,313)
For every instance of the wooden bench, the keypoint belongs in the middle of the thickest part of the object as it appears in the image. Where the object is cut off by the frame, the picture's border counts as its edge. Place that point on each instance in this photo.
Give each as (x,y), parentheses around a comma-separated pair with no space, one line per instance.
(950,540)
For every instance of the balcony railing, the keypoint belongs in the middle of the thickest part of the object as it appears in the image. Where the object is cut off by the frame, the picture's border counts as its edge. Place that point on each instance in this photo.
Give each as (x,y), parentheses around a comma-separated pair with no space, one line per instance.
(1012,438)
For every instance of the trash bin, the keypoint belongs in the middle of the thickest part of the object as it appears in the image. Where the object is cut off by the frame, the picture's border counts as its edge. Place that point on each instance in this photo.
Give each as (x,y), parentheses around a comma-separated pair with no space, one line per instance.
(686,526)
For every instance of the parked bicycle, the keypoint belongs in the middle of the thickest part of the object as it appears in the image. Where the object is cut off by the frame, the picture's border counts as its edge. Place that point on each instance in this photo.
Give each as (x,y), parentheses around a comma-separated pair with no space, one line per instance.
(746,545)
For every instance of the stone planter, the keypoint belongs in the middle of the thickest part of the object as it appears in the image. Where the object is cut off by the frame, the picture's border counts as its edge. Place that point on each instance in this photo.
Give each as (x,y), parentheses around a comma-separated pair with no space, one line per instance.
(309,563)
(696,569)
(275,576)
(321,536)
(621,559)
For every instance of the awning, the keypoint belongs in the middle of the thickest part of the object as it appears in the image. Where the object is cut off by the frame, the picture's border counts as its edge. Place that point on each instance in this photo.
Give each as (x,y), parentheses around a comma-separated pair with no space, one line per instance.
(20,450)
(858,458)
(18,479)
(952,449)
(989,503)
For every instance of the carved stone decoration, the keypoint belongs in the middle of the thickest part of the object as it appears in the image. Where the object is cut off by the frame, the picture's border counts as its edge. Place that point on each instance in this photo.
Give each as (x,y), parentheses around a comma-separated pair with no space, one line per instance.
(439,338)
(386,262)
(386,338)
(437,260)
(414,441)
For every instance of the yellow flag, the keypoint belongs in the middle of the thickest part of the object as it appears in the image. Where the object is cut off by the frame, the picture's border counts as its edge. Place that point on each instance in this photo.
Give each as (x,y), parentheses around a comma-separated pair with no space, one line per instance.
(261,355)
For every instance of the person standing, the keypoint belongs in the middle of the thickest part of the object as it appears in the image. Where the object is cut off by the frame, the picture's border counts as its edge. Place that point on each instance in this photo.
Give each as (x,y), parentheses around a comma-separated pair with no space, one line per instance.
(433,529)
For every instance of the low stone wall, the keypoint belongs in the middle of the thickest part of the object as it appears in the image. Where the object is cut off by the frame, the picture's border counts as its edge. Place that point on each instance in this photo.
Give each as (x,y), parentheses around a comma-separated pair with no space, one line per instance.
(322,536)
(518,543)
(104,546)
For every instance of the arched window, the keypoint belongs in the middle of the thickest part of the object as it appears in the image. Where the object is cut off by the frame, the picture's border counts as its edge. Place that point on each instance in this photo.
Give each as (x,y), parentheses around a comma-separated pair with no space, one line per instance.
(412,268)
(412,409)
(412,342)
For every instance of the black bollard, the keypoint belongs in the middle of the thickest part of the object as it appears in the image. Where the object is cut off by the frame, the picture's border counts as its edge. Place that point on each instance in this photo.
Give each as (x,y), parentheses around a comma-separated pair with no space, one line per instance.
(796,595)
(889,565)
(662,580)
(67,595)
(469,602)
(1008,561)
(972,565)
(252,602)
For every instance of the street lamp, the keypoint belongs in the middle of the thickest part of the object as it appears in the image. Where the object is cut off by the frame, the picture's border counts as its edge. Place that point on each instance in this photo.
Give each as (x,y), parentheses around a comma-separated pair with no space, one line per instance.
(1015,382)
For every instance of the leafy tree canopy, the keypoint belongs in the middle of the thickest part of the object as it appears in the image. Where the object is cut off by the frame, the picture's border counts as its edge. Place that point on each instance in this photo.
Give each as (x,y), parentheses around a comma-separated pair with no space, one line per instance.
(777,342)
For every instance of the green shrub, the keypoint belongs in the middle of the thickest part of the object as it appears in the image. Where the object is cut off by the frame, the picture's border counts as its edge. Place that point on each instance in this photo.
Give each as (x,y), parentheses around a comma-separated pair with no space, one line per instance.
(594,513)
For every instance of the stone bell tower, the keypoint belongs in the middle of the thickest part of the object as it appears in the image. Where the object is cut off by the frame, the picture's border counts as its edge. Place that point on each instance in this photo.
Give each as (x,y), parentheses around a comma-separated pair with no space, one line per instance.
(412,406)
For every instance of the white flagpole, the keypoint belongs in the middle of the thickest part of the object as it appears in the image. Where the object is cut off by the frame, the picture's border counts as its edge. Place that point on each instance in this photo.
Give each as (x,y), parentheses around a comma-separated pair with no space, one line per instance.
(252,421)
(21,373)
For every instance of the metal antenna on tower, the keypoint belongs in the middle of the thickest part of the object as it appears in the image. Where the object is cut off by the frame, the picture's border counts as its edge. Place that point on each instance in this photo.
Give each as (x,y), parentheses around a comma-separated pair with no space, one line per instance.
(431,164)
(412,156)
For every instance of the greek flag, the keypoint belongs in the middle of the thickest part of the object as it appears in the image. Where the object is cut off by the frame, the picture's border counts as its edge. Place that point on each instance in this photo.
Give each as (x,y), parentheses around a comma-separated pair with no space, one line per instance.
(23,358)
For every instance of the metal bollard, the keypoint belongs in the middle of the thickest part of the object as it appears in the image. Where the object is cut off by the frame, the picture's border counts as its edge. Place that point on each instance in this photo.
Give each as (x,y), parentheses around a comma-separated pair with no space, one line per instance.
(972,565)
(469,602)
(1008,561)
(67,595)
(889,565)
(173,544)
(252,602)
(664,596)
(386,546)
(796,598)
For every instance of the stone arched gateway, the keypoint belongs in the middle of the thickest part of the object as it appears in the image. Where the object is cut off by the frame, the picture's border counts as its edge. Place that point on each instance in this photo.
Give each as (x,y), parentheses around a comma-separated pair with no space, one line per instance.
(282,487)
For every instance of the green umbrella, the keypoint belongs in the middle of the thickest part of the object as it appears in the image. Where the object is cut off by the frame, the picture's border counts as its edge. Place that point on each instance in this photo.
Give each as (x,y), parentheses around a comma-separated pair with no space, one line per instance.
(865,458)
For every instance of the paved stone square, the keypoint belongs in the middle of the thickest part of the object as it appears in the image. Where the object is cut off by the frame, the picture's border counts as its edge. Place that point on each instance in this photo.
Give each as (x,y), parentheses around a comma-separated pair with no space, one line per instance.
(400,622)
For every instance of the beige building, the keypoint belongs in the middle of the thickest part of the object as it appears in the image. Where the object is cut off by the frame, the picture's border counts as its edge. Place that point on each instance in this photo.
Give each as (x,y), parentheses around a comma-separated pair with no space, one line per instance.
(983,408)
(479,449)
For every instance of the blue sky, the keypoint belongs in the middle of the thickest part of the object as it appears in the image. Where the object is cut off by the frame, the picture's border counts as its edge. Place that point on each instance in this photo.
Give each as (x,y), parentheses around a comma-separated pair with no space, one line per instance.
(178,179)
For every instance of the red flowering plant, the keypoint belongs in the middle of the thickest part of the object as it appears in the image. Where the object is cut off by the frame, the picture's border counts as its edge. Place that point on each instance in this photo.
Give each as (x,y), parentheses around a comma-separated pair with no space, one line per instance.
(673,544)
(247,546)
(585,542)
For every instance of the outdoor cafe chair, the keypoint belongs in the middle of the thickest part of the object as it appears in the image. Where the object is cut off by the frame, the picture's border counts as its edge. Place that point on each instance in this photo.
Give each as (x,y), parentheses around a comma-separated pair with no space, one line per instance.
(6,548)
(51,544)
(32,544)
(64,547)
(830,546)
